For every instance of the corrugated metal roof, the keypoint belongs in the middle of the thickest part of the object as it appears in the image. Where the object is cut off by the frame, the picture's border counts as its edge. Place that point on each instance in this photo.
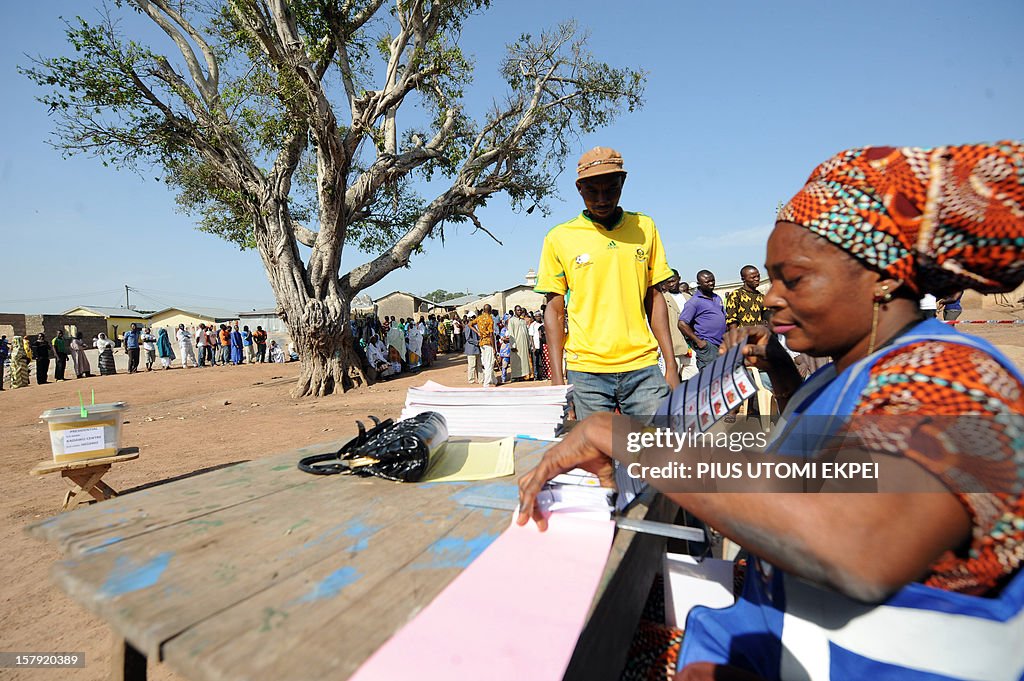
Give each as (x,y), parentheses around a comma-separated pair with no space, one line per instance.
(265,312)
(111,311)
(215,313)
(462,300)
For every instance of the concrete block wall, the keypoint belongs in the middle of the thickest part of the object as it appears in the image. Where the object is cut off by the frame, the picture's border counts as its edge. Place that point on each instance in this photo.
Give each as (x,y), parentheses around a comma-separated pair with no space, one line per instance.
(51,323)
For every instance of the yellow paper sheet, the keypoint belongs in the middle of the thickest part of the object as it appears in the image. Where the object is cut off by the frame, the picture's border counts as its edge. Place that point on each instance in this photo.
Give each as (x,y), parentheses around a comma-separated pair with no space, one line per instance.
(463,461)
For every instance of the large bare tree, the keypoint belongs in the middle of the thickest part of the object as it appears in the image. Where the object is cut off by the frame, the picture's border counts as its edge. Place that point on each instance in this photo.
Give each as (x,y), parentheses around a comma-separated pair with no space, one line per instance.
(277,123)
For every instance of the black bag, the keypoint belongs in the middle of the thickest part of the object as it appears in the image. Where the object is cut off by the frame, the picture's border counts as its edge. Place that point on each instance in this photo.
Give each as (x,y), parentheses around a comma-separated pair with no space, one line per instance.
(399,451)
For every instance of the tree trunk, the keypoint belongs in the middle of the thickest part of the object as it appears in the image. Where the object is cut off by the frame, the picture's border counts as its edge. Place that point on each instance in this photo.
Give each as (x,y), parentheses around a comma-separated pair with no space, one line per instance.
(329,367)
(325,346)
(318,325)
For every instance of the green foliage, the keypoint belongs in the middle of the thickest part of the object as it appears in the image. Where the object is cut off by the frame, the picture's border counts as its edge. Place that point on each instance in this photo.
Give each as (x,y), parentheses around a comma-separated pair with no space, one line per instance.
(255,138)
(440,295)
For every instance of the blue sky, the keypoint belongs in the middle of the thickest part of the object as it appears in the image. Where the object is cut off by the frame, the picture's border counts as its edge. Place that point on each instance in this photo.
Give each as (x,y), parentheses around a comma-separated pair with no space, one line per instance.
(743,100)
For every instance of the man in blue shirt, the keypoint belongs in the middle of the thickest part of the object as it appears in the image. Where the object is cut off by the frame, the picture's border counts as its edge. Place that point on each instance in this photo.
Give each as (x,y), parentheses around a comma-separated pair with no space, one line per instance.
(131,348)
(702,320)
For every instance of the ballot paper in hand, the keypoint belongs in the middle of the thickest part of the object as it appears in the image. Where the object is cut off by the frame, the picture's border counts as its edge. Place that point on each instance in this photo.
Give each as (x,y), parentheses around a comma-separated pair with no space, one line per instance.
(579,493)
(720,387)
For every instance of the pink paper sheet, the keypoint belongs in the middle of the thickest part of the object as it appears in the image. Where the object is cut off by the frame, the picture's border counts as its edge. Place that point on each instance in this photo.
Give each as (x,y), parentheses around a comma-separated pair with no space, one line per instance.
(515,613)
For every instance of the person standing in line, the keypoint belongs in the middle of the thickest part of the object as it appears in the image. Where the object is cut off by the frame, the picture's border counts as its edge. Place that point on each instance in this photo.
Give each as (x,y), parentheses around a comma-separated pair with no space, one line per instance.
(5,353)
(41,353)
(702,320)
(537,345)
(130,342)
(106,355)
(164,349)
(236,346)
(247,344)
(201,344)
(951,307)
(149,346)
(457,330)
(225,344)
(675,300)
(471,348)
(505,356)
(929,305)
(519,337)
(60,353)
(483,325)
(259,336)
(745,307)
(19,363)
(184,339)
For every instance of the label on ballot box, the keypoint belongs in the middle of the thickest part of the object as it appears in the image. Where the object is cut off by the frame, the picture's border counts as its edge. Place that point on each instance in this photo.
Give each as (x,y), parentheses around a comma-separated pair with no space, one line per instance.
(78,440)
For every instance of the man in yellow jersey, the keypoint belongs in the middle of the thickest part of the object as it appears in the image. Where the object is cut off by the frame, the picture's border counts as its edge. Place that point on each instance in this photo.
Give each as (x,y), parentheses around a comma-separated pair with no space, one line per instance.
(600,269)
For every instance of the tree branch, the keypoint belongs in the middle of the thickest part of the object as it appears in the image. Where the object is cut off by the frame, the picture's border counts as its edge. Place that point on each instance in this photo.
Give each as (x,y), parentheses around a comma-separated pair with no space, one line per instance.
(207,86)
(479,227)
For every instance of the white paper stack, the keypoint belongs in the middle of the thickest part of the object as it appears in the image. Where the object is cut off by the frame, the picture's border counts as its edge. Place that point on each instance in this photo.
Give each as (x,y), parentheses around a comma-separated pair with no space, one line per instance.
(537,412)
(577,492)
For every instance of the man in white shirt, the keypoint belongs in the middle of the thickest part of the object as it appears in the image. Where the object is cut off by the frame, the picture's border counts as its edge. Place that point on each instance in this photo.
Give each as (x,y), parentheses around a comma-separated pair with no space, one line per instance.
(929,305)
(185,346)
(457,332)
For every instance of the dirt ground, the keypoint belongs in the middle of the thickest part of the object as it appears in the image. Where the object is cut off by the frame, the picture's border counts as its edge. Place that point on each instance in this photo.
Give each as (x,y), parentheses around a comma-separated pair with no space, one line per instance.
(183,421)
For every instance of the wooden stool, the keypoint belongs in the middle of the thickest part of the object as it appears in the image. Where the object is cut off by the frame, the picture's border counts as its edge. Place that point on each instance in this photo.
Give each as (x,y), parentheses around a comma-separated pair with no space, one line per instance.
(86,477)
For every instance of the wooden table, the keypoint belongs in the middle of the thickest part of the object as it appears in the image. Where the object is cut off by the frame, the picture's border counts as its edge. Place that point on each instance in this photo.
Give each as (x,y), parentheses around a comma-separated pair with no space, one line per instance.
(261,571)
(86,477)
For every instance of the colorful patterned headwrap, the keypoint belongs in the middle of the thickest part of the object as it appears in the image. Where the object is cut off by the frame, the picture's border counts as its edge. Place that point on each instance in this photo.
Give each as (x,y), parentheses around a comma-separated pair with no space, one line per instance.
(940,219)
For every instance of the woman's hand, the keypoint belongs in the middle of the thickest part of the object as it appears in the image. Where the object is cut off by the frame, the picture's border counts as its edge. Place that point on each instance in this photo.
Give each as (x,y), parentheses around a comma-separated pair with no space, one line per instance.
(762,349)
(586,446)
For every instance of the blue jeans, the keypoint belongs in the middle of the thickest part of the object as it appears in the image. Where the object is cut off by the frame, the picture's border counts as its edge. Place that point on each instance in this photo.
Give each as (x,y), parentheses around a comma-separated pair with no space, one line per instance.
(636,393)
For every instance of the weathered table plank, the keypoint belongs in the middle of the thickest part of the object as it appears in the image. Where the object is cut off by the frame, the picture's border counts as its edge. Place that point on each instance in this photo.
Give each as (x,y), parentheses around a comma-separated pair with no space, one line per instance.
(150,509)
(262,571)
(334,618)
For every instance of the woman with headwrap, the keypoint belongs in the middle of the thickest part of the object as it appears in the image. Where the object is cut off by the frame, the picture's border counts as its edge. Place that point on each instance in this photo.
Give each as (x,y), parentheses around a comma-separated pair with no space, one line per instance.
(19,363)
(78,358)
(106,359)
(857,586)
(414,345)
(163,348)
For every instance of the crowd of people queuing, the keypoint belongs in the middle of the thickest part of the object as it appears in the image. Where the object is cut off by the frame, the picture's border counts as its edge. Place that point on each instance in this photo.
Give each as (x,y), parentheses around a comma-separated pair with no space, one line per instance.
(498,348)
(202,346)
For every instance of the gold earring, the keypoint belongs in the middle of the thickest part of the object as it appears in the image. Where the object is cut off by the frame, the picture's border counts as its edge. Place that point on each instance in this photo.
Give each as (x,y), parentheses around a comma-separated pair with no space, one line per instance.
(874,324)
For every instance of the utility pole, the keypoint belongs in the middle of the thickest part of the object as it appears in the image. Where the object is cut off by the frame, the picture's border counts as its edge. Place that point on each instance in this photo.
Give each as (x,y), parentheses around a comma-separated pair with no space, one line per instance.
(126,303)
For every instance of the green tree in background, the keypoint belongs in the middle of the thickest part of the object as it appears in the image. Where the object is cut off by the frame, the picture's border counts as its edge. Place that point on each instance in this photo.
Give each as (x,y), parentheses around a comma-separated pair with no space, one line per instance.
(277,123)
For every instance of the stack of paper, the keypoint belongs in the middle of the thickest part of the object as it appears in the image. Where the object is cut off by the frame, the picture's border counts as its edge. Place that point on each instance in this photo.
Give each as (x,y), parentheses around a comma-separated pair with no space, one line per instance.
(493,412)
(577,492)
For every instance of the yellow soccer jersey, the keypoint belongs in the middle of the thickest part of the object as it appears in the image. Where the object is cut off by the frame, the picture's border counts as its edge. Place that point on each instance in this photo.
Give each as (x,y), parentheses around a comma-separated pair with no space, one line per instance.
(604,275)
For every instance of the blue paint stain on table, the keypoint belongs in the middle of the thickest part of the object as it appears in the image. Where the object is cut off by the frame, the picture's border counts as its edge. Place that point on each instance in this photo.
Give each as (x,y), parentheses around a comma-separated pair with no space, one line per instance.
(504,491)
(454,552)
(361,532)
(102,546)
(129,575)
(331,585)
